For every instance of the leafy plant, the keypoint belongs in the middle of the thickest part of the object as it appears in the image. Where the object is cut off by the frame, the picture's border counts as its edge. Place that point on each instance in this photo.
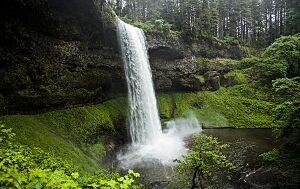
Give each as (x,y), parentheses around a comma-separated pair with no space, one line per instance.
(269,69)
(204,161)
(286,48)
(25,167)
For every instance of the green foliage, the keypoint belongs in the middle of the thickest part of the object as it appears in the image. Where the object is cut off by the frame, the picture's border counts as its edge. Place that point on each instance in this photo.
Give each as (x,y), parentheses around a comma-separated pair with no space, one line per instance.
(273,157)
(248,62)
(201,79)
(269,69)
(72,134)
(286,156)
(286,48)
(287,87)
(231,40)
(250,50)
(288,109)
(204,161)
(164,103)
(285,159)
(109,16)
(238,75)
(25,167)
(240,106)
(159,25)
(162,26)
(32,132)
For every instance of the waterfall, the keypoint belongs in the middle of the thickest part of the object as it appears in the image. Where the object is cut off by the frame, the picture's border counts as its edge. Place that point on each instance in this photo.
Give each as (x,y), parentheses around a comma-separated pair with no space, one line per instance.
(144,122)
(149,143)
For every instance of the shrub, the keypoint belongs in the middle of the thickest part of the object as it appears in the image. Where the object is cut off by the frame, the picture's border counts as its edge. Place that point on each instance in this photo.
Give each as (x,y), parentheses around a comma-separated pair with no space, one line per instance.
(204,160)
(25,167)
(269,69)
(286,48)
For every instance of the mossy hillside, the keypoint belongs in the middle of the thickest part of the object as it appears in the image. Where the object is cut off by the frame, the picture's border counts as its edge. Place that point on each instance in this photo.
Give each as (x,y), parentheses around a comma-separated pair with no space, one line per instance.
(79,124)
(32,132)
(78,134)
(232,106)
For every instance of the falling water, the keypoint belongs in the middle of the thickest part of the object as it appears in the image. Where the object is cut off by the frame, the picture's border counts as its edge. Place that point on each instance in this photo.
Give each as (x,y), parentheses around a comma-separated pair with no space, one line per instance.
(144,122)
(149,143)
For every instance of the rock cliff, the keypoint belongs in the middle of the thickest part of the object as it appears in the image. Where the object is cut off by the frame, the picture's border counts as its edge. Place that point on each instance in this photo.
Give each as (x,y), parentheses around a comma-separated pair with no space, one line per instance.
(176,67)
(58,53)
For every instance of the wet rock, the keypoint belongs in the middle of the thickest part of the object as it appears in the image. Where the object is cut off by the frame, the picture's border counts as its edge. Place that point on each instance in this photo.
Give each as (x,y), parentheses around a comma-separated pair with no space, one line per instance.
(212,80)
(174,46)
(175,75)
(262,178)
(57,53)
(174,66)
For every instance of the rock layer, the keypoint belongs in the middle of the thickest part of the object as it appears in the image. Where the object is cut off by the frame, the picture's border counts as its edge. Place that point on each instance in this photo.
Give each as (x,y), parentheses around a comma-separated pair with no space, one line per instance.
(56,54)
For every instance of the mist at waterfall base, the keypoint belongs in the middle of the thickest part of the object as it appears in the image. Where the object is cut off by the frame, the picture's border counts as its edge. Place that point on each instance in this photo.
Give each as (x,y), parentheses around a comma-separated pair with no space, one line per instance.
(165,149)
(149,143)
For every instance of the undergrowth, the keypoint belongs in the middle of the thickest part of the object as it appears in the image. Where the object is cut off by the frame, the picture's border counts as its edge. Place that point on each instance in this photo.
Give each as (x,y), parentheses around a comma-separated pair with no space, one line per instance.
(77,134)
(22,166)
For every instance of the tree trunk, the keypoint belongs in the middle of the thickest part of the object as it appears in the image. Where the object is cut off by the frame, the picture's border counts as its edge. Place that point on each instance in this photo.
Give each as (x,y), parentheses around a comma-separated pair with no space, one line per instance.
(194,179)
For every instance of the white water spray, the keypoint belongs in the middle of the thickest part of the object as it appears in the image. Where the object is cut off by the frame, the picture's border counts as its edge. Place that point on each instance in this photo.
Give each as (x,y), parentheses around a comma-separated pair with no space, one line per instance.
(148,141)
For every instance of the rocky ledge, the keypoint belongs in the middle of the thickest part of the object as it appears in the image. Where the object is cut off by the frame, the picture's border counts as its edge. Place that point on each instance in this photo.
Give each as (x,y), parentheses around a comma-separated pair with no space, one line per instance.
(176,66)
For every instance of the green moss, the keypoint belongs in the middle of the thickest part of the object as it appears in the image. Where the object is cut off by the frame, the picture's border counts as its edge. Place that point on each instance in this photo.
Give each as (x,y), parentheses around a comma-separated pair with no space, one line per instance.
(67,133)
(232,106)
(201,79)
(196,103)
(109,16)
(164,102)
(239,76)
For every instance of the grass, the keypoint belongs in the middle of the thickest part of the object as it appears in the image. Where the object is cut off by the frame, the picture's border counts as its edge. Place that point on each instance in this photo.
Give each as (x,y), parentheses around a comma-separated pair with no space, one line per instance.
(233,106)
(67,133)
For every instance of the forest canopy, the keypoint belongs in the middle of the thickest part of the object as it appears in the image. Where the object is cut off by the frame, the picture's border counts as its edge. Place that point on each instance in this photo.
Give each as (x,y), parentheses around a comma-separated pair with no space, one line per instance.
(253,21)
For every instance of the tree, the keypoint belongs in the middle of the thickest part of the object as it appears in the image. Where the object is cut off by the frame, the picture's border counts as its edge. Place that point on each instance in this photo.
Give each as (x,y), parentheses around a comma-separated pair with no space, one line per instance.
(268,69)
(204,160)
(287,48)
(293,17)
(288,110)
(286,156)
(255,21)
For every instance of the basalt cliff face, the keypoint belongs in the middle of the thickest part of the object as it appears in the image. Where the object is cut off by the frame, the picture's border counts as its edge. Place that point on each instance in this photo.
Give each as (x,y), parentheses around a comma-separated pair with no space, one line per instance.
(175,65)
(58,53)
